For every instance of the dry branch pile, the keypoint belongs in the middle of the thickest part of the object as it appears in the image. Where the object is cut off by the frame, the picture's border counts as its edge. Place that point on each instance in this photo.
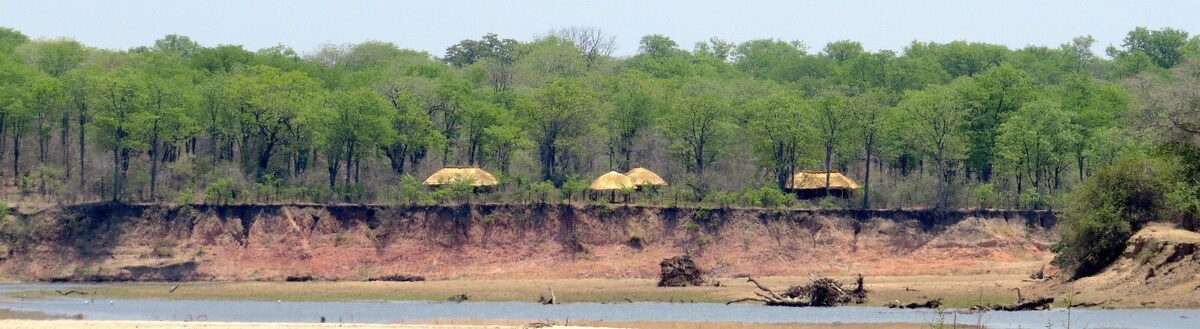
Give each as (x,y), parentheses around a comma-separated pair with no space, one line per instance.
(680,271)
(820,292)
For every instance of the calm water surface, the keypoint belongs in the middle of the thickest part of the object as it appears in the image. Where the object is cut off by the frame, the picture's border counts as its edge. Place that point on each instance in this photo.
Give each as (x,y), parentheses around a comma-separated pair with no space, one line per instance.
(393,311)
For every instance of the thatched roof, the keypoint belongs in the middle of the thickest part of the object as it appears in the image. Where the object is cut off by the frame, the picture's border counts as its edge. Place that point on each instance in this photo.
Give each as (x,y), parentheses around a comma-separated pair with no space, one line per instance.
(816,180)
(611,181)
(643,176)
(451,175)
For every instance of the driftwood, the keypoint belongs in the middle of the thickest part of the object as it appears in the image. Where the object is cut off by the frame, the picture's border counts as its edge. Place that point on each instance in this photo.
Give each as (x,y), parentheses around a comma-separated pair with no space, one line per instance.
(459,298)
(397,278)
(172,290)
(1031,305)
(69,292)
(932,303)
(680,271)
(1037,304)
(301,278)
(820,292)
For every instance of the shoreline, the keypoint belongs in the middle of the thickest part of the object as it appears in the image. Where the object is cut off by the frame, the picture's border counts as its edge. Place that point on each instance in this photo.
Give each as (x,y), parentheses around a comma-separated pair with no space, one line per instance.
(956,291)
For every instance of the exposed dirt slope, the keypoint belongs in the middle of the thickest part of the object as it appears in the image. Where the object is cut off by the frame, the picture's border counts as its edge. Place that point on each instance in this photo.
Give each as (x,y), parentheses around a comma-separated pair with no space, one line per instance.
(1160,267)
(255,242)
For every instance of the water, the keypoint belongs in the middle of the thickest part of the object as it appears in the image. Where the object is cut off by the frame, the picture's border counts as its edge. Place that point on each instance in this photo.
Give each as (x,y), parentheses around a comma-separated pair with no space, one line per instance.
(387,312)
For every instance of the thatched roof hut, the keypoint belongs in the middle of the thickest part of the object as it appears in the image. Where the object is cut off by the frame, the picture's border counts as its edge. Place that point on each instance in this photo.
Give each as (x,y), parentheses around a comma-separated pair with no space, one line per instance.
(642,176)
(611,181)
(816,181)
(450,175)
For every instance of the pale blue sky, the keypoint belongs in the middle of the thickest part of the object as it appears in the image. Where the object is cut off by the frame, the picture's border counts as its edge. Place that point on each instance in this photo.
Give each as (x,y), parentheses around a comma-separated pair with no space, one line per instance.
(434,25)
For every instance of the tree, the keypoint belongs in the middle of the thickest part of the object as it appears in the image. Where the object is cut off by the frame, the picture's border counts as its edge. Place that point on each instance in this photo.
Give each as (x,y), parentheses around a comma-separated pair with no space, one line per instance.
(833,115)
(54,58)
(936,117)
(1161,46)
(843,50)
(872,115)
(698,125)
(779,125)
(637,103)
(172,98)
(502,141)
(120,98)
(10,39)
(1167,107)
(415,132)
(1035,142)
(478,117)
(591,41)
(771,59)
(177,44)
(1093,106)
(490,46)
(558,115)
(356,123)
(661,57)
(996,92)
(267,101)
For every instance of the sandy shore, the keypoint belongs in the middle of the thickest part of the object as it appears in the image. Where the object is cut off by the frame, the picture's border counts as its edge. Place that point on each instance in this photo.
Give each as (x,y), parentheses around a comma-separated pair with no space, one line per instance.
(34,324)
(95,324)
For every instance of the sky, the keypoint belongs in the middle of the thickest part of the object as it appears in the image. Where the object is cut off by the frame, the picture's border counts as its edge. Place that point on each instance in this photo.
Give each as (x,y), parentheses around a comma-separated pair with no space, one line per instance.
(433,26)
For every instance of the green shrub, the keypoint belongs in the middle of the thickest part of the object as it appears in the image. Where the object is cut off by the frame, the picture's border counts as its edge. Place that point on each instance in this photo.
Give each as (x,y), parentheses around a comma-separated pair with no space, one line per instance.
(573,186)
(457,191)
(1104,212)
(542,191)
(219,192)
(186,195)
(985,194)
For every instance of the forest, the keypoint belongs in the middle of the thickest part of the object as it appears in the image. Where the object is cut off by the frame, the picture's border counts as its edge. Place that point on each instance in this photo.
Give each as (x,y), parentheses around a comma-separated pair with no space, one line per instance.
(959,124)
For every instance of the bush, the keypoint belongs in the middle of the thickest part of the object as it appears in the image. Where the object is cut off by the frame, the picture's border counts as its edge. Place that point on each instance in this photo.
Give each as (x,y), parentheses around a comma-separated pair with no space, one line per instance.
(574,185)
(985,194)
(186,196)
(542,191)
(1104,212)
(219,192)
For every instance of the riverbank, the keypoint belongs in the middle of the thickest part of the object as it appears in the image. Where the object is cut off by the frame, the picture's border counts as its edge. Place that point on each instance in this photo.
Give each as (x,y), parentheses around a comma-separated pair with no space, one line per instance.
(956,291)
(163,242)
(94,324)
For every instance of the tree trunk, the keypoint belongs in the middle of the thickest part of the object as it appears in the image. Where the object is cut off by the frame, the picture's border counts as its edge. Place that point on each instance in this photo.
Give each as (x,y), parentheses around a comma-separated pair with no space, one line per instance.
(828,159)
(116,189)
(866,203)
(16,156)
(154,161)
(82,146)
(333,171)
(349,160)
(65,134)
